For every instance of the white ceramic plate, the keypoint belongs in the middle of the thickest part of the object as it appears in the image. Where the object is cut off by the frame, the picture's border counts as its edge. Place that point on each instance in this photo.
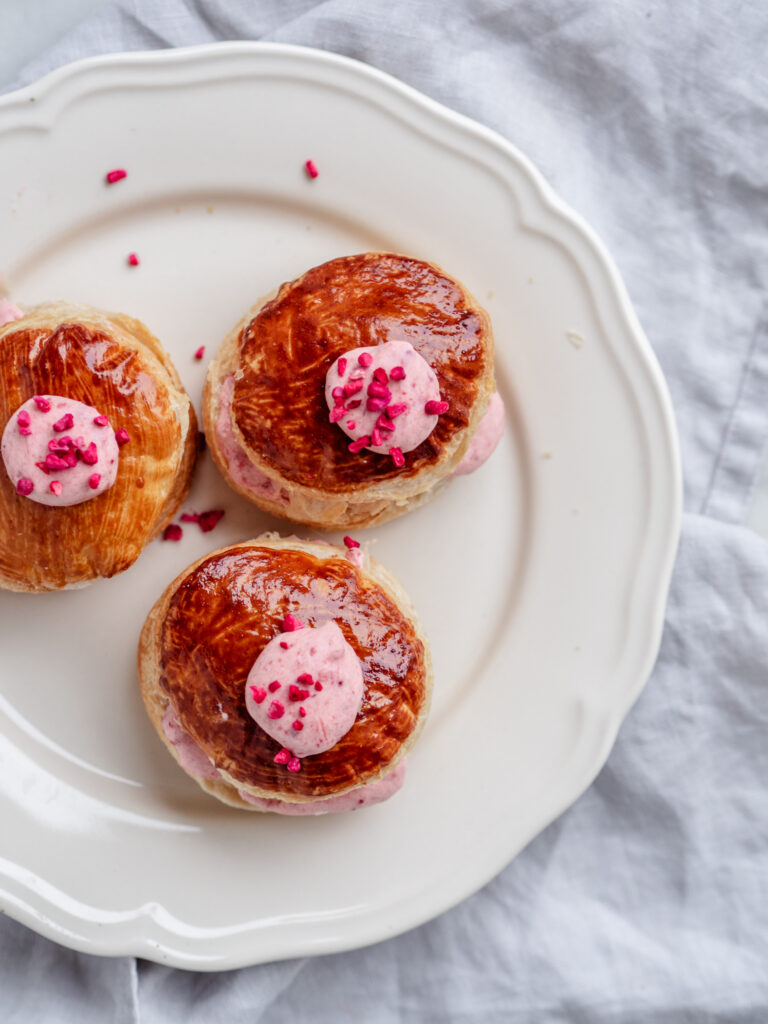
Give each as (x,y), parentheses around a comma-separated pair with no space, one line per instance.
(541,580)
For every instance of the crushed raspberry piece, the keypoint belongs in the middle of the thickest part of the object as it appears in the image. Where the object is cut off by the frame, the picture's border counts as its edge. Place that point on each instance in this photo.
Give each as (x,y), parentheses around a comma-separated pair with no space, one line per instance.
(297,725)
(101,421)
(94,480)
(393,411)
(296,693)
(384,424)
(380,374)
(25,431)
(397,373)
(359,444)
(190,517)
(337,393)
(284,645)
(200,352)
(341,366)
(43,468)
(376,404)
(353,386)
(294,765)
(23,419)
(354,405)
(282,756)
(116,175)
(435,408)
(70,459)
(350,424)
(365,359)
(90,455)
(303,712)
(376,437)
(377,390)
(133,259)
(276,710)
(172,532)
(24,486)
(42,403)
(351,543)
(311,168)
(55,487)
(55,462)
(337,414)
(290,623)
(209,520)
(274,686)
(258,693)
(397,457)
(318,687)
(306,679)
(121,436)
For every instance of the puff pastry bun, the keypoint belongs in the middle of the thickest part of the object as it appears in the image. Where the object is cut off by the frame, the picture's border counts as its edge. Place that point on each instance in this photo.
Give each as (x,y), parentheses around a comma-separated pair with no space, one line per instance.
(266,418)
(203,635)
(111,363)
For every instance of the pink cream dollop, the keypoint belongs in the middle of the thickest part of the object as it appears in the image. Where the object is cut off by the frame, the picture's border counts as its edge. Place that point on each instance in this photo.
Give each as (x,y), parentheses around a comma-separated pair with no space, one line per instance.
(9,312)
(59,452)
(486,437)
(305,689)
(399,399)
(240,467)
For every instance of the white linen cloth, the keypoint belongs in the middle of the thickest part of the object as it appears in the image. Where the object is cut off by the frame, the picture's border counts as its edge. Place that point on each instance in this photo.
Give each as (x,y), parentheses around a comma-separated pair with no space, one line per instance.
(647,900)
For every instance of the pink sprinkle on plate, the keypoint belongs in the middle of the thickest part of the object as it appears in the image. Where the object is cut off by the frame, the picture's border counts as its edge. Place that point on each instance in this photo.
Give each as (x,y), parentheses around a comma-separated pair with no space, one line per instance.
(173,532)
(117,175)
(311,168)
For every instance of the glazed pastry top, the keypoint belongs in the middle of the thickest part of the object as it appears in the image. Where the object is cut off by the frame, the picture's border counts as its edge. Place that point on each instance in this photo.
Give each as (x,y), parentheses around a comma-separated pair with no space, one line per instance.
(230,606)
(125,381)
(286,349)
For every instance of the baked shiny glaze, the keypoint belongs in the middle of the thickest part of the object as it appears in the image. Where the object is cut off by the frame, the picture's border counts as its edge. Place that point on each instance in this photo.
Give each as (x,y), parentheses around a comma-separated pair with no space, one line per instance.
(287,348)
(52,547)
(222,615)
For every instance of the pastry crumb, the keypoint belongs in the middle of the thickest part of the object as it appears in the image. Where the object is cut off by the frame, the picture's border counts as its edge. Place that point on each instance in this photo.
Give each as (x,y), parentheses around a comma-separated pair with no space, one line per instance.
(576,339)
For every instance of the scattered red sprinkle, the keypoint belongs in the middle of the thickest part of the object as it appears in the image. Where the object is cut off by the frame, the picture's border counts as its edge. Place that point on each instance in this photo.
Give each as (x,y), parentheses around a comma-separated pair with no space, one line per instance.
(359,444)
(200,352)
(55,487)
(380,374)
(42,403)
(351,424)
(318,687)
(353,386)
(60,444)
(55,462)
(376,404)
(290,623)
(337,393)
(397,373)
(303,712)
(133,259)
(42,466)
(393,411)
(94,480)
(276,710)
(25,431)
(258,693)
(23,419)
(351,543)
(311,169)
(121,436)
(337,414)
(365,359)
(435,408)
(91,455)
(24,486)
(282,756)
(376,438)
(70,459)
(117,175)
(101,421)
(306,679)
(378,390)
(274,686)
(209,520)
(294,765)
(284,645)
(384,424)
(296,693)
(397,457)
(341,366)
(190,517)
(297,725)
(172,532)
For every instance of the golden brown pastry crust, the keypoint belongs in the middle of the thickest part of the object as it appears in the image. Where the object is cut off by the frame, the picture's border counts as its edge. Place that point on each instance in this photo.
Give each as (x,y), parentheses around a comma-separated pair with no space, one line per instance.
(112,362)
(204,633)
(280,353)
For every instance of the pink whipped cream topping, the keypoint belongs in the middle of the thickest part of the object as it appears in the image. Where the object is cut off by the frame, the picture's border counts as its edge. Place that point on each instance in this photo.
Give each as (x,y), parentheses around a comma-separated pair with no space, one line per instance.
(9,312)
(364,796)
(305,689)
(60,452)
(386,398)
(241,469)
(486,438)
(191,757)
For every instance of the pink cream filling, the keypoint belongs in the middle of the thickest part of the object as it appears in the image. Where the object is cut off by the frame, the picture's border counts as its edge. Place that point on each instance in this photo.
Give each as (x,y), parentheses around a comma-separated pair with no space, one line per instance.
(486,437)
(381,393)
(241,469)
(59,452)
(305,689)
(194,761)
(9,312)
